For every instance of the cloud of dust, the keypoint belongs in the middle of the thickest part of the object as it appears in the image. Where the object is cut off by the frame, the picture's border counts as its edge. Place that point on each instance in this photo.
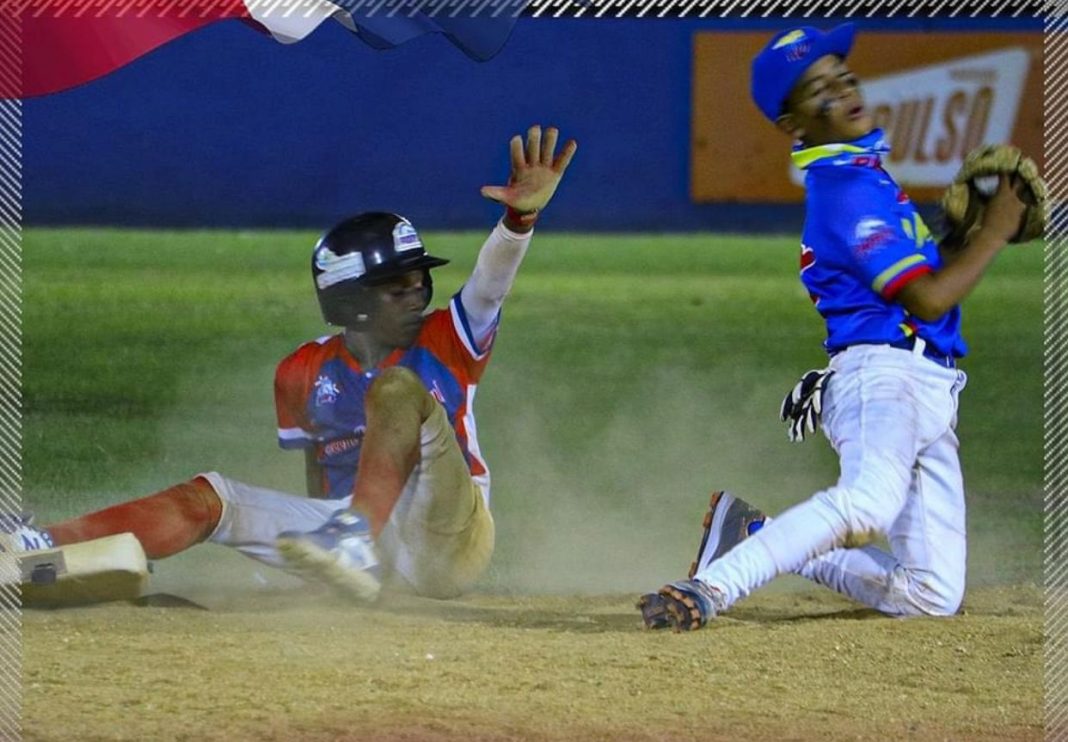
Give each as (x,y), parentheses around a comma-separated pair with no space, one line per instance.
(624,512)
(617,509)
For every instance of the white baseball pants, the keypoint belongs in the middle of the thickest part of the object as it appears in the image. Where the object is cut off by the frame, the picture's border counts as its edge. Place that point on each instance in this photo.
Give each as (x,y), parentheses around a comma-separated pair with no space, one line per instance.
(890,415)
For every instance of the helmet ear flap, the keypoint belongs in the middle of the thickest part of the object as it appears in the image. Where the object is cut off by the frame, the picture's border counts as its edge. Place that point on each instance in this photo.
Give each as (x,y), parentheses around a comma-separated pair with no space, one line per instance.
(345,304)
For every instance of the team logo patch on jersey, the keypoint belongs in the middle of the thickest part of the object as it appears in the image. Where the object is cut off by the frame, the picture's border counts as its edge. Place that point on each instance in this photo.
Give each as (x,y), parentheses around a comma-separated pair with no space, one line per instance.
(326,391)
(870,234)
(405,237)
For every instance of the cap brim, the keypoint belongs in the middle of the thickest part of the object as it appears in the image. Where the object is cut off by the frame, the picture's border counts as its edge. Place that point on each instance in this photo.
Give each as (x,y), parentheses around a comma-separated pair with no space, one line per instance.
(400,267)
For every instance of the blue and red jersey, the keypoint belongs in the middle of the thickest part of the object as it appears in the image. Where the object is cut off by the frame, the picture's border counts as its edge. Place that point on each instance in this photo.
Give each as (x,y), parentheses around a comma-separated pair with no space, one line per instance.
(864,241)
(319,394)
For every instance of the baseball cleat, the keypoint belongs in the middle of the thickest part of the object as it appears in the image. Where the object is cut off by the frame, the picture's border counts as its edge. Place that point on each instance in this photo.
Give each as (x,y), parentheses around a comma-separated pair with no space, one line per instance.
(17,533)
(728,521)
(339,553)
(683,606)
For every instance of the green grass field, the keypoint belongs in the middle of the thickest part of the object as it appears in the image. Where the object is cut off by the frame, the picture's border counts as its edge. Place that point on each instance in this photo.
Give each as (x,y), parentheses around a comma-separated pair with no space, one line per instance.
(632,375)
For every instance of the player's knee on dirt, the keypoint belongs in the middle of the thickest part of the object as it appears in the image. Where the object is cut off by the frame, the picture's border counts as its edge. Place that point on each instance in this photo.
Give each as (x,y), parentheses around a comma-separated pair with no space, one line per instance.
(398,386)
(923,593)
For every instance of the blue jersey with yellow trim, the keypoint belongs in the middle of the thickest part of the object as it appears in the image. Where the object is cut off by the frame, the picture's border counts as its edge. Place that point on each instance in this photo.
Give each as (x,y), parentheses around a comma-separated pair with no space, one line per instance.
(863,241)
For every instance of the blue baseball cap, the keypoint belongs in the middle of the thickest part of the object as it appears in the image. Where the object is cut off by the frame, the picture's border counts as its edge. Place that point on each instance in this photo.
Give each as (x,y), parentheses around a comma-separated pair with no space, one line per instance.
(785,58)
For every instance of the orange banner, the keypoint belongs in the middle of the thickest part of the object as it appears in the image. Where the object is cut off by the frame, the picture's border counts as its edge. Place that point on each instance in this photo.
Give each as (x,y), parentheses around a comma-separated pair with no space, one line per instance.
(937,95)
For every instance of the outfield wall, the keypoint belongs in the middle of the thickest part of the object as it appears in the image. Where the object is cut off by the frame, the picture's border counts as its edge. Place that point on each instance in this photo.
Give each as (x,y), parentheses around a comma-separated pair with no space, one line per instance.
(228,128)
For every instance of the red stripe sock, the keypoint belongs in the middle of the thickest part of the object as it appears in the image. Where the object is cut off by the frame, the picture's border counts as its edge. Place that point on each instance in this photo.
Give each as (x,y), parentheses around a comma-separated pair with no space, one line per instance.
(379,485)
(165,523)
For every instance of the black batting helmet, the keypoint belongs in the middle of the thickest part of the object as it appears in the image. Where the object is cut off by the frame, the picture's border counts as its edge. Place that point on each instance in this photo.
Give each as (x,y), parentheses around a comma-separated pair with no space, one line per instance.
(362,251)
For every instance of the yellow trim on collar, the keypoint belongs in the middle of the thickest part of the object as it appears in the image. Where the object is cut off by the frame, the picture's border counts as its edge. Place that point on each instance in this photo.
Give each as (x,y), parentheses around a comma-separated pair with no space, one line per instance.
(805,157)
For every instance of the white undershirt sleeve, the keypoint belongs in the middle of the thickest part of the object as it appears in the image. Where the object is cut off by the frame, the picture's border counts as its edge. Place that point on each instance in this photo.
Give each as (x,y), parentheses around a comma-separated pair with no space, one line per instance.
(495,271)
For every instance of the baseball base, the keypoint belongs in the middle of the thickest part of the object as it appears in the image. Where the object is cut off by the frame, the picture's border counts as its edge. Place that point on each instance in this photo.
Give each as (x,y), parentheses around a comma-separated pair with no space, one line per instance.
(98,571)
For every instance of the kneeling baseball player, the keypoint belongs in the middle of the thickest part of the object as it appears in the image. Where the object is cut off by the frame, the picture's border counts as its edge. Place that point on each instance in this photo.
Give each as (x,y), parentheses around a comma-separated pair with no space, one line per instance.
(889,398)
(382,409)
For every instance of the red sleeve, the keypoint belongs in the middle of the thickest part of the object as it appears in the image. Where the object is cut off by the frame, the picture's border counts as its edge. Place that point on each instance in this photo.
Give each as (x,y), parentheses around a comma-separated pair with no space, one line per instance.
(290,399)
(444,334)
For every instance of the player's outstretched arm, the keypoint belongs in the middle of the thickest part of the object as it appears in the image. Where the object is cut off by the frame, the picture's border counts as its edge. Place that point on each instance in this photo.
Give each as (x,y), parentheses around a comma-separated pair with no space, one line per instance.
(929,297)
(536,172)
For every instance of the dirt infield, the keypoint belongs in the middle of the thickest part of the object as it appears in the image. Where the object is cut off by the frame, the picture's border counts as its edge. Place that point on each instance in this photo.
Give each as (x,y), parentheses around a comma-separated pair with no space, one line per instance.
(295,664)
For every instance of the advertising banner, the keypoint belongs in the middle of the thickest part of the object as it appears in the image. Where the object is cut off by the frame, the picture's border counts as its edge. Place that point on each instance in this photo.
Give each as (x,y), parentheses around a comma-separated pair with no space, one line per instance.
(936,95)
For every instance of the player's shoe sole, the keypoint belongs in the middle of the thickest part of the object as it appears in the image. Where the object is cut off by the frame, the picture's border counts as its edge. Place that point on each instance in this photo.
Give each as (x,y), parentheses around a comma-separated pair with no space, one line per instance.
(728,521)
(311,560)
(683,606)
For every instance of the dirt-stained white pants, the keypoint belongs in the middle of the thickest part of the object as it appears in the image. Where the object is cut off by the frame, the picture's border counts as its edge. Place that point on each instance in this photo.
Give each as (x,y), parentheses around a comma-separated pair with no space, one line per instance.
(439,537)
(890,414)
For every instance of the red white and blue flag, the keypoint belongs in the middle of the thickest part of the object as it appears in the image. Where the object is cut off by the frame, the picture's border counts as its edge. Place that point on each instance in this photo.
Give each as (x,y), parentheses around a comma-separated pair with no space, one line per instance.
(66,43)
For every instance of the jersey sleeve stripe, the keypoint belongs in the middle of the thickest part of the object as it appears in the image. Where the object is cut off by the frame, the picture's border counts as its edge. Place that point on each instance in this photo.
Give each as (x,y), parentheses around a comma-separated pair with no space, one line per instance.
(463,328)
(891,290)
(294,438)
(890,275)
(296,445)
(481,474)
(293,434)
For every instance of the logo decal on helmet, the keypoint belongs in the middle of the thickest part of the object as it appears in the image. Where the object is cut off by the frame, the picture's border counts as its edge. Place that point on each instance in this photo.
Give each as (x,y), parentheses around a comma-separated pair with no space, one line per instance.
(337,268)
(405,237)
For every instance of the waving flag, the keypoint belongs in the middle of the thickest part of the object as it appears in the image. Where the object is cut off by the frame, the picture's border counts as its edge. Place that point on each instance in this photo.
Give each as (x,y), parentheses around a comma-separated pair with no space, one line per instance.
(66,43)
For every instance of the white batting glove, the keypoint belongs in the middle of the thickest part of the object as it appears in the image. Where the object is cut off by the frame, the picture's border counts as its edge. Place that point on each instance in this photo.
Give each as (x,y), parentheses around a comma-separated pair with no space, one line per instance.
(803,405)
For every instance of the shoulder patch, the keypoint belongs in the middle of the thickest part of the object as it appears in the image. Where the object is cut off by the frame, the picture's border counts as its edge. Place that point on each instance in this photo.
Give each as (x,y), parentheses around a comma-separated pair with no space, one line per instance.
(870,234)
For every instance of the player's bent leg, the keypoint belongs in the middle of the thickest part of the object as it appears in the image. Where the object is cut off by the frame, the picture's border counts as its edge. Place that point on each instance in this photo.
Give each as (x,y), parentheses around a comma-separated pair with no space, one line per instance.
(925,572)
(447,565)
(440,535)
(929,538)
(787,543)
(790,540)
(869,418)
(397,405)
(341,551)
